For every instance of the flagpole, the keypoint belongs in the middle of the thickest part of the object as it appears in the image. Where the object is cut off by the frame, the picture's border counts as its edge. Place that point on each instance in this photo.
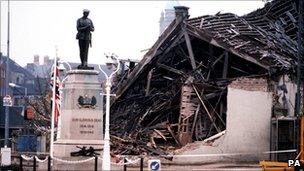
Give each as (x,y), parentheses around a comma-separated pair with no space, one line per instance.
(53,106)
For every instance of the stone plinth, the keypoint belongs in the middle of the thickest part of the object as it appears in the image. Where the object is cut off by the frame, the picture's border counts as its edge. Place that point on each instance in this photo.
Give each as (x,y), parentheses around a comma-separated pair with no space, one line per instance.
(81,113)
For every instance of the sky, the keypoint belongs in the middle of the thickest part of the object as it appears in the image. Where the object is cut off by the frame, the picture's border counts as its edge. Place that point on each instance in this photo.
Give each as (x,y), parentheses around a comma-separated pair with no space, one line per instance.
(125,28)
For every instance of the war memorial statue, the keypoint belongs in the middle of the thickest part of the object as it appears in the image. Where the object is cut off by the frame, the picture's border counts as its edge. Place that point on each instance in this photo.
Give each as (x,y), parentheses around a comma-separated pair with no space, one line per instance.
(81,109)
(84,27)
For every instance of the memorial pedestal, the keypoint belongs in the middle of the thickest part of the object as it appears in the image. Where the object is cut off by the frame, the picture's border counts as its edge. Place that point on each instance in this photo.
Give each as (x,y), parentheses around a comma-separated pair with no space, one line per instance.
(81,113)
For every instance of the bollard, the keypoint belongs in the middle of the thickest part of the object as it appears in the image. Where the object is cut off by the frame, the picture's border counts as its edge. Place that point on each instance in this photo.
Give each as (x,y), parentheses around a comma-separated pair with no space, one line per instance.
(21,164)
(34,165)
(141,164)
(125,166)
(49,163)
(96,163)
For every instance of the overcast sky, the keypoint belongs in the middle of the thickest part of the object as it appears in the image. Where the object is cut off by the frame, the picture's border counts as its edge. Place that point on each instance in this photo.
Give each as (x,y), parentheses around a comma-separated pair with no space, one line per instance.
(122,27)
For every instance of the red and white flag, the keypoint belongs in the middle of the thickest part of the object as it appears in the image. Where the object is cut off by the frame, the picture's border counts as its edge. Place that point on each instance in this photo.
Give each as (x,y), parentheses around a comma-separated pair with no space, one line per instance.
(57,95)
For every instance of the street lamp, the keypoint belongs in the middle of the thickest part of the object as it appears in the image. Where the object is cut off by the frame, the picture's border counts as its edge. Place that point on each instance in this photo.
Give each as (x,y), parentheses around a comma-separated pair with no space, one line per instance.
(18,86)
(25,92)
(61,66)
(106,162)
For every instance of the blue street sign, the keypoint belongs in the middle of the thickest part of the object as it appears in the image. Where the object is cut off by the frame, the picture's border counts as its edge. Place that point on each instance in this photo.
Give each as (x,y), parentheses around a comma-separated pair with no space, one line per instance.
(154,165)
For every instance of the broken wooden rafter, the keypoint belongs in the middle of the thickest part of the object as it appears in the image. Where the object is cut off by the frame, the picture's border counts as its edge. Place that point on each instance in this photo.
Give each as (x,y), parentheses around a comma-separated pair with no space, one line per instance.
(215,106)
(190,50)
(202,35)
(160,134)
(218,59)
(195,118)
(238,69)
(225,69)
(205,107)
(149,81)
(172,134)
(176,71)
(214,137)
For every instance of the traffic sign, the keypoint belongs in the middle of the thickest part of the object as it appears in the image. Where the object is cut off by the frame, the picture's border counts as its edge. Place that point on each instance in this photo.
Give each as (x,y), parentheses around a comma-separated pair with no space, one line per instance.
(7,101)
(6,154)
(154,165)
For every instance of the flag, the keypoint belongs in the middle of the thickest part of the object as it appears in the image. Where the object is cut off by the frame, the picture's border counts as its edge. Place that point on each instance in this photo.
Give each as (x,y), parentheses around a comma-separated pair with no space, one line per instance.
(57,95)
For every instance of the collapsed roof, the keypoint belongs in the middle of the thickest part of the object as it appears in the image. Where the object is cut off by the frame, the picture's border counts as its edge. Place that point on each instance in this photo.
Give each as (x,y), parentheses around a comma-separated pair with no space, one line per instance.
(197,58)
(265,37)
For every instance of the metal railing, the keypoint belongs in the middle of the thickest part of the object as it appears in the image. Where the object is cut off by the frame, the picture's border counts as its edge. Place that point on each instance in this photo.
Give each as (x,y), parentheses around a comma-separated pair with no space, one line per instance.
(124,162)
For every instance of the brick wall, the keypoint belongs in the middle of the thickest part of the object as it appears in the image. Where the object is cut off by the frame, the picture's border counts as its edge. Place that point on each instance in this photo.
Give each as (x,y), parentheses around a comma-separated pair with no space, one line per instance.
(250,84)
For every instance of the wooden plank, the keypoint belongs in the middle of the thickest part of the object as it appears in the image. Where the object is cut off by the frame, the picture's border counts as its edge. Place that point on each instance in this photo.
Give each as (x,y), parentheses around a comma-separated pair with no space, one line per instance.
(170,69)
(190,50)
(218,59)
(238,69)
(149,81)
(225,69)
(195,118)
(206,109)
(172,134)
(219,101)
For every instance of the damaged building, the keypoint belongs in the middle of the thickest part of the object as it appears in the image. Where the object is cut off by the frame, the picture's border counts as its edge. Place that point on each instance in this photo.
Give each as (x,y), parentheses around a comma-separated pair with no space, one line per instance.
(212,76)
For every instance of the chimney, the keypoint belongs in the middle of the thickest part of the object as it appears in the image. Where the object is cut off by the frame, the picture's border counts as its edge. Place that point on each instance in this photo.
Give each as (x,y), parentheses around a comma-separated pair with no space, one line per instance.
(181,13)
(46,60)
(36,59)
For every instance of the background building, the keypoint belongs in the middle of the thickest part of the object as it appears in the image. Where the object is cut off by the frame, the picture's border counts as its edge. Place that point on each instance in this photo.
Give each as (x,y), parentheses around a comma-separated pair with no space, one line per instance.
(26,83)
(167,16)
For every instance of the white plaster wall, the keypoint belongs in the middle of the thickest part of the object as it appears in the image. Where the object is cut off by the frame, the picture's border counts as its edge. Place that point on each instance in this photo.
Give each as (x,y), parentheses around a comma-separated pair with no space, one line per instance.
(248,123)
(247,130)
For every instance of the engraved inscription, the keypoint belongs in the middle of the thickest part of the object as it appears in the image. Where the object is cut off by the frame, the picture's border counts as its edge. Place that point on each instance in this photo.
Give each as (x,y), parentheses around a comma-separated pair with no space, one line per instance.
(86,125)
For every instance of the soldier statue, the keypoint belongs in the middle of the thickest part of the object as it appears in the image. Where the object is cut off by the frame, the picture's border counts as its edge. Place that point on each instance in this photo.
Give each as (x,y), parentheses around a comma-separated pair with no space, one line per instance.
(84,36)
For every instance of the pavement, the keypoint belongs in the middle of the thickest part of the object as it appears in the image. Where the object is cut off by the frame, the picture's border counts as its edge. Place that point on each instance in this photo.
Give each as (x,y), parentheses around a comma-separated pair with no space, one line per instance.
(209,166)
(217,166)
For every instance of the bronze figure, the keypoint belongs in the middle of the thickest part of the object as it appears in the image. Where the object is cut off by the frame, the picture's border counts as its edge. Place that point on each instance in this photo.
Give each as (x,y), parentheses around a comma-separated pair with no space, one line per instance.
(84,27)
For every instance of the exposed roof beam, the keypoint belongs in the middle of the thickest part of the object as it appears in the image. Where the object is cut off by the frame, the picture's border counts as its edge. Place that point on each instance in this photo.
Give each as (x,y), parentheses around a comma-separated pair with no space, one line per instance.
(208,38)
(190,50)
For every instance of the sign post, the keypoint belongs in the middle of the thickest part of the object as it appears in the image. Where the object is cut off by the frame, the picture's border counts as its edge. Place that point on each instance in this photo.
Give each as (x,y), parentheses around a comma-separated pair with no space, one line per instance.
(6,152)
